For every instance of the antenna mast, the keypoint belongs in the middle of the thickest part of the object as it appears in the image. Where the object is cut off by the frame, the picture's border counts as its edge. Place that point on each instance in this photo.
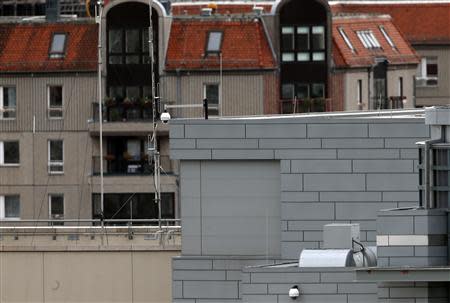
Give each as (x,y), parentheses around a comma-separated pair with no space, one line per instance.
(99,15)
(153,146)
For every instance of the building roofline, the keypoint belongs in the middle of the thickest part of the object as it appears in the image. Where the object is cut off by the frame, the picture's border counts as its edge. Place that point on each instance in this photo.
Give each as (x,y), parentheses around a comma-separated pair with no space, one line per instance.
(381,2)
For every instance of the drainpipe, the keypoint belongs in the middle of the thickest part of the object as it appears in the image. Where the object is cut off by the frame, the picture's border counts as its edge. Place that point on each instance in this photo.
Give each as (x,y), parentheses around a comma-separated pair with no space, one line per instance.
(369,70)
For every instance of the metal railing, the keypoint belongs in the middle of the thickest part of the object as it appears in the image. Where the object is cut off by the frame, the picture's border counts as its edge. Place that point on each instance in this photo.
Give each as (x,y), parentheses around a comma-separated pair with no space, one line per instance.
(115,165)
(392,102)
(124,112)
(88,223)
(293,106)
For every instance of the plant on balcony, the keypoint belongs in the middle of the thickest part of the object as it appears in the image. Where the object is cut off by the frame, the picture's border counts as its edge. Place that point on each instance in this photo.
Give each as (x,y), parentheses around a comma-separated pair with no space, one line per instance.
(129,102)
(114,114)
(110,101)
(146,102)
(109,157)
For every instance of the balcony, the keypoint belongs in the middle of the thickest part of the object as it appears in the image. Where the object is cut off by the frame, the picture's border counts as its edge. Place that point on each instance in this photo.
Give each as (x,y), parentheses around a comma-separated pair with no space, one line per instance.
(393,102)
(123,166)
(125,117)
(294,106)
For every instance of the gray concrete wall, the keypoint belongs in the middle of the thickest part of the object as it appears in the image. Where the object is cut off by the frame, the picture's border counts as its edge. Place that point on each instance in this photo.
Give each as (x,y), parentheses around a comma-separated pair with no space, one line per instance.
(333,168)
(272,284)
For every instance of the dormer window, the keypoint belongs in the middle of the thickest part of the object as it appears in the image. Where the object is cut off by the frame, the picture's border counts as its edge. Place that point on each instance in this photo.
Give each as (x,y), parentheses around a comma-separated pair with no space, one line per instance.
(58,46)
(346,39)
(387,37)
(214,42)
(368,39)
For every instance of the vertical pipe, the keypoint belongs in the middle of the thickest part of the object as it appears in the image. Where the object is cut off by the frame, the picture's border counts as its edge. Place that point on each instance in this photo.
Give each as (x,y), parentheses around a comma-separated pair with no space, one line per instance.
(100,107)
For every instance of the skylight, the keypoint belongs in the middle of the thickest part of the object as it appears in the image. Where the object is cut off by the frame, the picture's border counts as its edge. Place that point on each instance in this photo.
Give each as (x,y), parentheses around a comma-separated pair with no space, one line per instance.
(58,46)
(368,39)
(347,41)
(214,43)
(386,36)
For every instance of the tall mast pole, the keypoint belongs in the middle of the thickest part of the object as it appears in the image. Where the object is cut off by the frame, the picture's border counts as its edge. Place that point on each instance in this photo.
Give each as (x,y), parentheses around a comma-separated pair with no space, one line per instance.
(100,105)
(154,141)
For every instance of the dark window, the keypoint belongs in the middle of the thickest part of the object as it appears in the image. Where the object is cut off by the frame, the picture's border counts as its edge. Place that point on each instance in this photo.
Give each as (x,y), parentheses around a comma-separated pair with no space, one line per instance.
(8,102)
(302,43)
(55,101)
(287,91)
(10,152)
(128,46)
(58,46)
(12,206)
(302,91)
(212,95)
(56,206)
(359,91)
(214,42)
(317,90)
(55,156)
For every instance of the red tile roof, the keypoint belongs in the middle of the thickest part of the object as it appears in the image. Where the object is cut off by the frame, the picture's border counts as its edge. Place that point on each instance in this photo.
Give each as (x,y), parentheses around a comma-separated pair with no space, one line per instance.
(180,8)
(244,45)
(421,23)
(362,56)
(25,47)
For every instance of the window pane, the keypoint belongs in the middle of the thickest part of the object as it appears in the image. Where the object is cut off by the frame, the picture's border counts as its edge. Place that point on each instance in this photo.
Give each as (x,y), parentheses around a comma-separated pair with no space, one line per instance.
(12,206)
(11,152)
(145,38)
(318,37)
(132,41)
(317,90)
(214,42)
(303,38)
(318,56)
(167,206)
(9,97)
(132,60)
(432,68)
(115,41)
(57,205)
(287,57)
(287,91)
(56,151)
(115,59)
(212,94)
(132,92)
(116,92)
(302,56)
(302,91)
(287,38)
(58,43)
(55,96)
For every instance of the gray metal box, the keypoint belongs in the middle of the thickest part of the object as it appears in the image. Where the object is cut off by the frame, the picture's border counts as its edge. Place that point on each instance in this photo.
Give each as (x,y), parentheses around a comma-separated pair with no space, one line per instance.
(340,235)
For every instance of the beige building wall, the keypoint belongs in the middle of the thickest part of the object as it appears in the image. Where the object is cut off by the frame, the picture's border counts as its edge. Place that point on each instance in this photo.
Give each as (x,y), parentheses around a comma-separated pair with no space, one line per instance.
(242,94)
(393,74)
(408,74)
(122,276)
(440,94)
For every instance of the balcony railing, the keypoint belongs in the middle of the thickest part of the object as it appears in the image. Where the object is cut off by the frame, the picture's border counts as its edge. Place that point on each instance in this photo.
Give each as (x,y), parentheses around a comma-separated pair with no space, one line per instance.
(393,102)
(292,106)
(115,166)
(124,111)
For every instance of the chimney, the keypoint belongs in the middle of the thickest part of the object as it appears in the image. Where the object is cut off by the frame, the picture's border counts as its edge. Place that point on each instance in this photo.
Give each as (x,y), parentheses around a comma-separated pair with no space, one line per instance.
(52,10)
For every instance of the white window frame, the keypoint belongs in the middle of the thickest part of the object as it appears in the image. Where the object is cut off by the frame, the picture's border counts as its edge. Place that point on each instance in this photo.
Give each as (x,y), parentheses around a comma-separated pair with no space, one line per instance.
(50,205)
(2,208)
(387,37)
(368,39)
(58,109)
(2,154)
(219,102)
(2,107)
(55,163)
(346,39)
(422,79)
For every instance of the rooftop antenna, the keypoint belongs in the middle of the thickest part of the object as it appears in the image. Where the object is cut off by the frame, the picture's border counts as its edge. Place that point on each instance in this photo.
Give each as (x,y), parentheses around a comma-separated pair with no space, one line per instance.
(99,15)
(153,144)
